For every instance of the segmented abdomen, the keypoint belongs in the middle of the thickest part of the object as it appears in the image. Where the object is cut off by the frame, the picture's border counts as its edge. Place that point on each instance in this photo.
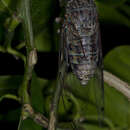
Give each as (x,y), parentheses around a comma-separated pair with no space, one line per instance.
(81,30)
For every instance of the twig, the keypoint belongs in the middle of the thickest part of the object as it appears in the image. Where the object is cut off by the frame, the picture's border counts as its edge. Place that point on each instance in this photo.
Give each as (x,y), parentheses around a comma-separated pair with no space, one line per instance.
(95,118)
(10,96)
(31,58)
(21,45)
(37,117)
(16,53)
(6,6)
(13,52)
(117,83)
(11,25)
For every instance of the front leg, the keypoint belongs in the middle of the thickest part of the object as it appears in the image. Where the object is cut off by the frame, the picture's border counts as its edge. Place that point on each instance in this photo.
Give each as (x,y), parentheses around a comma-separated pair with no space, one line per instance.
(57,94)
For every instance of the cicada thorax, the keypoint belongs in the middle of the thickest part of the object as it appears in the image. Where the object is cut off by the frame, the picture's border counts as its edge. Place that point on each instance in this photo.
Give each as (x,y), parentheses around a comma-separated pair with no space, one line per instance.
(81,30)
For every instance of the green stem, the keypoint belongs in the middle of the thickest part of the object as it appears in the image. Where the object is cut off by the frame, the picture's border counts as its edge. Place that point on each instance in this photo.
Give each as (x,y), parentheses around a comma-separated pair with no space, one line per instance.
(96,118)
(21,45)
(16,53)
(11,24)
(31,58)
(77,105)
(10,96)
(13,52)
(25,15)
(9,38)
(5,4)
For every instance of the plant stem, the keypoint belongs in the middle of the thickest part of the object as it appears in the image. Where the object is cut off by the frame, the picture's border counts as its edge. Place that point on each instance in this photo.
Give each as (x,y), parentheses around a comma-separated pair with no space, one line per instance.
(5,4)
(95,118)
(17,54)
(10,96)
(117,83)
(31,58)
(26,19)
(21,45)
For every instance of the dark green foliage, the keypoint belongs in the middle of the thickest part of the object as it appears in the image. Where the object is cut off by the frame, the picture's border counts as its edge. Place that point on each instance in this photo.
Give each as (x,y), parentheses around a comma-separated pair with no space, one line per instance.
(78,102)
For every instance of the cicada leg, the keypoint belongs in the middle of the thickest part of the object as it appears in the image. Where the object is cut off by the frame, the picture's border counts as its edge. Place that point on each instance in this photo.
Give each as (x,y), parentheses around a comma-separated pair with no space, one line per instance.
(59,87)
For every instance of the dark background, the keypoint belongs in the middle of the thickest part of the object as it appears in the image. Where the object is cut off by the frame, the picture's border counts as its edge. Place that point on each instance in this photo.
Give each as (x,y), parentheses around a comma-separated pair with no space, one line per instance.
(112,35)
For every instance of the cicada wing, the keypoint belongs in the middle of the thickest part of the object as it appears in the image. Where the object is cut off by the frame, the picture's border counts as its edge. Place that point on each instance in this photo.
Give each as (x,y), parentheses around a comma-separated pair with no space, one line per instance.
(99,93)
(98,83)
(93,92)
(63,73)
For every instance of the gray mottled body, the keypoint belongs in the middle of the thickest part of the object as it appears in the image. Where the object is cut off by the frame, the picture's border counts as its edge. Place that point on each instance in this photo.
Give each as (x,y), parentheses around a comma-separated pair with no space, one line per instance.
(81,38)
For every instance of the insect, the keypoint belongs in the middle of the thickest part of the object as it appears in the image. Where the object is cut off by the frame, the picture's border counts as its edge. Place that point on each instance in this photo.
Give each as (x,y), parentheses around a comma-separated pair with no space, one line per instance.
(81,40)
(81,47)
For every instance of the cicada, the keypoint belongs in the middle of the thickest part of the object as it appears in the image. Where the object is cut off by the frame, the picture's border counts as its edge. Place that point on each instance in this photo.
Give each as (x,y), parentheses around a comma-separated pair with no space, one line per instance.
(80,60)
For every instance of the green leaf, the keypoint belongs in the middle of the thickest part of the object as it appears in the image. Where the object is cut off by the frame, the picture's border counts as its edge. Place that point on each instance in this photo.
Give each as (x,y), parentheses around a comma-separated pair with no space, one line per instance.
(4,4)
(109,14)
(43,41)
(9,84)
(113,3)
(117,61)
(126,9)
(117,104)
(92,127)
(8,89)
(11,115)
(29,124)
(8,5)
(42,11)
(36,93)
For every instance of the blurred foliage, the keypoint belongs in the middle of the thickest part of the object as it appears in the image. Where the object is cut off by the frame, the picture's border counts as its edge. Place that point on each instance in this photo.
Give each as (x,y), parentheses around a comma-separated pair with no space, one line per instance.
(117,112)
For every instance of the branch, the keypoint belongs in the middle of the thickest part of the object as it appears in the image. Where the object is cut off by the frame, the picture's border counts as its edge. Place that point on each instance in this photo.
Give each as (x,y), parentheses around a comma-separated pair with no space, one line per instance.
(95,118)
(37,117)
(6,6)
(117,83)
(9,96)
(16,53)
(11,24)
(31,58)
